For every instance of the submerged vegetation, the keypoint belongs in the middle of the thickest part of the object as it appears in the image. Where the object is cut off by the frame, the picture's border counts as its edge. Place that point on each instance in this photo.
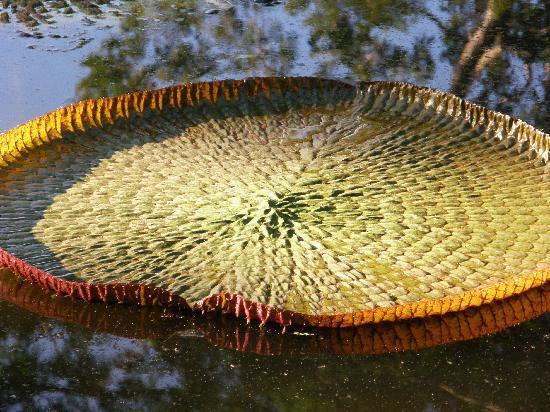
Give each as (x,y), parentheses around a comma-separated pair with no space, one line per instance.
(33,12)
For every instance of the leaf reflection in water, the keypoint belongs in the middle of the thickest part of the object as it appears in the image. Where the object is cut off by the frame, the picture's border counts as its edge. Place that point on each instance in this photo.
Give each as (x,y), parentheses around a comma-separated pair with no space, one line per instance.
(224,331)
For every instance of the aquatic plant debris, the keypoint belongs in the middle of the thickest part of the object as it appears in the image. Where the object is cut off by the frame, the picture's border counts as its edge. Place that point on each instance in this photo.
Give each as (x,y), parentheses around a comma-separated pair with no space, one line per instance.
(288,200)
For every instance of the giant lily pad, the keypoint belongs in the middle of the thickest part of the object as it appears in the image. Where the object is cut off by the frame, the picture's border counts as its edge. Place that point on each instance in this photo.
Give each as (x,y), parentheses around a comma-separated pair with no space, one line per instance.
(293,200)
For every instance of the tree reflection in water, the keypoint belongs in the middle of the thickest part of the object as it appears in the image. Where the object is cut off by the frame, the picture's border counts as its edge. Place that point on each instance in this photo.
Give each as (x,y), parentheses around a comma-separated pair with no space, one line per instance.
(494,52)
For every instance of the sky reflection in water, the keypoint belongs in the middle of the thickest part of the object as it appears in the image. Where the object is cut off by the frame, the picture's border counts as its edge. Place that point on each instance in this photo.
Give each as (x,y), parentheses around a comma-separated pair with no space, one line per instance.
(496,53)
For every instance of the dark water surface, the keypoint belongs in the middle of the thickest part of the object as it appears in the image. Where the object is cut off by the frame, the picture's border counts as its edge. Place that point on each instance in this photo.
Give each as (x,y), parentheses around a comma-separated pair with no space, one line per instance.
(73,357)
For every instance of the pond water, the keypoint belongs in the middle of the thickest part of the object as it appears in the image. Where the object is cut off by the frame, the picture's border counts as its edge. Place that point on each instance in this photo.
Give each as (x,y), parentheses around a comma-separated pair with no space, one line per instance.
(63,355)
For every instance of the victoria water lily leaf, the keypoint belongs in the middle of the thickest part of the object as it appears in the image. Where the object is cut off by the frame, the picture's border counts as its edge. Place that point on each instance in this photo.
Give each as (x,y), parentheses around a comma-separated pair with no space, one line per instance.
(293,200)
(228,332)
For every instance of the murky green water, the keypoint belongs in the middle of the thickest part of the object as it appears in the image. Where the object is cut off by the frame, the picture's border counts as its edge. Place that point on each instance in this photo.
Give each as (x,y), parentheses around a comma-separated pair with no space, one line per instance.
(498,56)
